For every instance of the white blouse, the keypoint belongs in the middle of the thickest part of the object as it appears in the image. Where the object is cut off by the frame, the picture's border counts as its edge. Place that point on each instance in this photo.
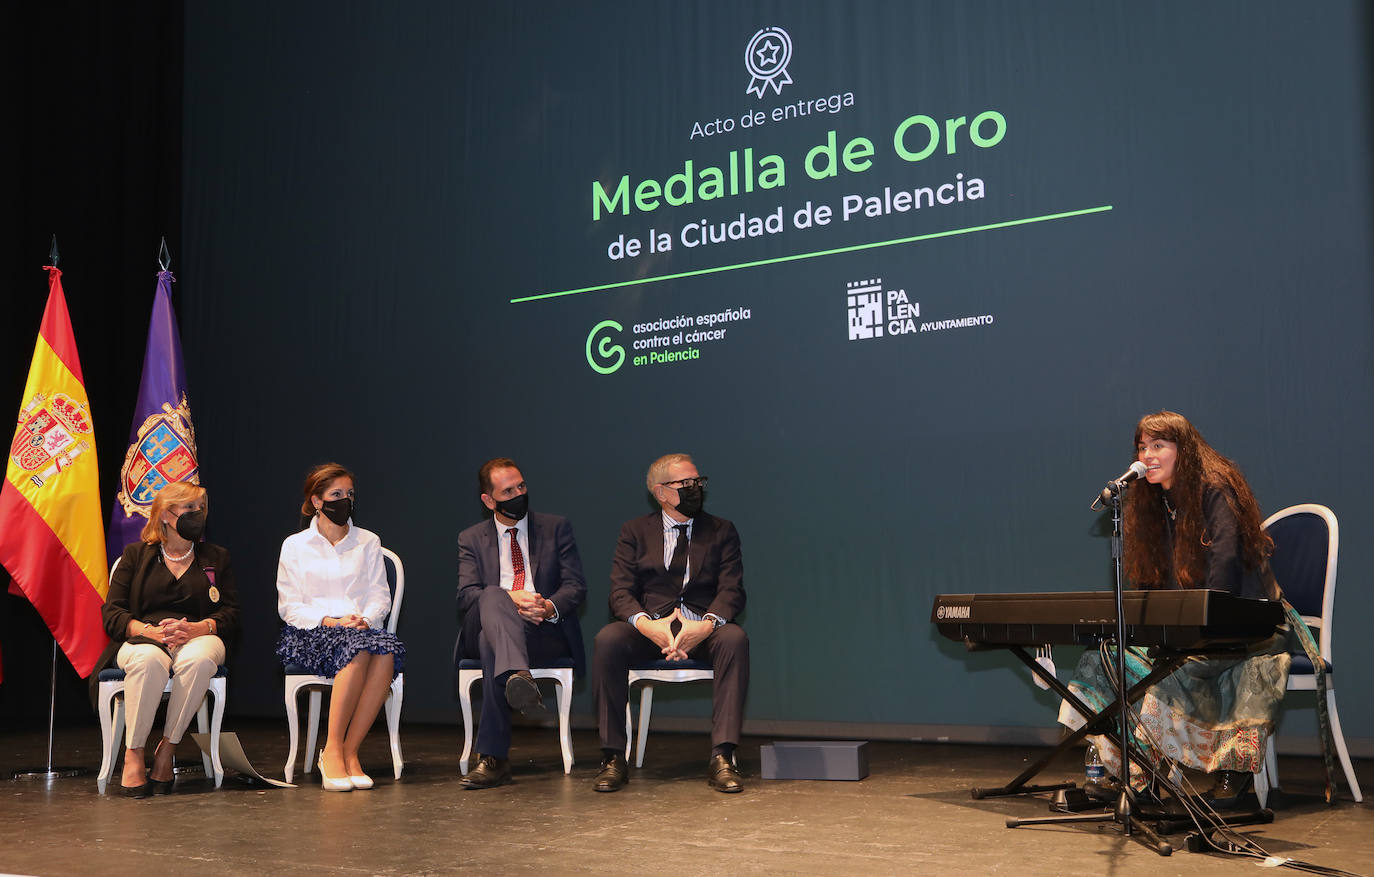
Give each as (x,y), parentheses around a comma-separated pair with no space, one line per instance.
(317,580)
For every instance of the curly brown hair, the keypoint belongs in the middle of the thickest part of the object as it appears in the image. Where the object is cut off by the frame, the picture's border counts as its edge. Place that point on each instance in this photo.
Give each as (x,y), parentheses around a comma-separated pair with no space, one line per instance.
(1197,467)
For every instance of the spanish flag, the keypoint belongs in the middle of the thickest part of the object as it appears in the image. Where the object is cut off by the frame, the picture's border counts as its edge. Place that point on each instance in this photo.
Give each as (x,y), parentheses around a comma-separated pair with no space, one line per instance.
(51,539)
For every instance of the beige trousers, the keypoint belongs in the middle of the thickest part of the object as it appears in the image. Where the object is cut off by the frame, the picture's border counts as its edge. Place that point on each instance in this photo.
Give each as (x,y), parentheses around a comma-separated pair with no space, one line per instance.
(146,670)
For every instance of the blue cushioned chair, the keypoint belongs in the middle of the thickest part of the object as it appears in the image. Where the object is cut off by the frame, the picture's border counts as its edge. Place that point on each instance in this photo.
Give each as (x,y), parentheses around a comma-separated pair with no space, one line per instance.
(298,678)
(1306,539)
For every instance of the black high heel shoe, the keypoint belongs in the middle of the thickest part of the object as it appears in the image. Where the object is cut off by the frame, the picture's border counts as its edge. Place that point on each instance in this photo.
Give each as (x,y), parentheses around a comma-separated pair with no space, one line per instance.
(163,787)
(143,791)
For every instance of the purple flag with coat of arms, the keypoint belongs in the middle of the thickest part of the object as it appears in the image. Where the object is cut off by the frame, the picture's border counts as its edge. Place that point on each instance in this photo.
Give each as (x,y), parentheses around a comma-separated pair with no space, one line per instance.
(162,441)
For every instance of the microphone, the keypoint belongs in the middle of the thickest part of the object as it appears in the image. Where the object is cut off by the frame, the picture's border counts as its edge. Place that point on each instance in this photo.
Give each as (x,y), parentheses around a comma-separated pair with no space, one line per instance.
(1116,485)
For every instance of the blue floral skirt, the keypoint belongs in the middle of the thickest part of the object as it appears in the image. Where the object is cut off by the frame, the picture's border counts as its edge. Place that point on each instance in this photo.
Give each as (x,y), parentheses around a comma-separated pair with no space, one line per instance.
(324,651)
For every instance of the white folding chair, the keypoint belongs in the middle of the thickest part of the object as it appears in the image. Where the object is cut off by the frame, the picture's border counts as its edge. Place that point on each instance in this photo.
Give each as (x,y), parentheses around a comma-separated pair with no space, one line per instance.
(296,681)
(110,706)
(470,672)
(1306,540)
(648,675)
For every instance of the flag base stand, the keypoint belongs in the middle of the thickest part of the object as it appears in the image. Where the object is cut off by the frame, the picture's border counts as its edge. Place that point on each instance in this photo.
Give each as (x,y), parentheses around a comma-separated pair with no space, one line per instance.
(50,773)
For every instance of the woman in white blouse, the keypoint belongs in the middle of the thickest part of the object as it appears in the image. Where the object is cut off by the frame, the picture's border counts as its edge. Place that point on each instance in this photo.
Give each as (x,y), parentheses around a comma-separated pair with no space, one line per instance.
(332,594)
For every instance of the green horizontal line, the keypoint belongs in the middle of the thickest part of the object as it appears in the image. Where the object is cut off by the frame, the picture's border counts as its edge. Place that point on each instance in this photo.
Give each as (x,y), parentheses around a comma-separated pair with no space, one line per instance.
(911,240)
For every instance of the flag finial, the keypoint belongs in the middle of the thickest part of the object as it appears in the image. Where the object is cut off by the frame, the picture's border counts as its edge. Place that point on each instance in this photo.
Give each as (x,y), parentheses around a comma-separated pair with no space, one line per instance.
(52,253)
(164,255)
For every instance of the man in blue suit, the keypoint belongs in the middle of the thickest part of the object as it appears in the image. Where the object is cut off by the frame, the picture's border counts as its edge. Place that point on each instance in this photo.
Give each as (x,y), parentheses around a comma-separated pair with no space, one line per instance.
(520,584)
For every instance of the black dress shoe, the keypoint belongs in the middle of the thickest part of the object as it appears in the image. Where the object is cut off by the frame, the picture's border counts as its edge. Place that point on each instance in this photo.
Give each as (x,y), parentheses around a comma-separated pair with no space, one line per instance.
(489,773)
(614,773)
(723,776)
(143,791)
(163,787)
(522,693)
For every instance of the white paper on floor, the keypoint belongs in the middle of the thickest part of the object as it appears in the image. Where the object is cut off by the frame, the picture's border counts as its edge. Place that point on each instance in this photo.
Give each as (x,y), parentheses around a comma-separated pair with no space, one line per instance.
(232,756)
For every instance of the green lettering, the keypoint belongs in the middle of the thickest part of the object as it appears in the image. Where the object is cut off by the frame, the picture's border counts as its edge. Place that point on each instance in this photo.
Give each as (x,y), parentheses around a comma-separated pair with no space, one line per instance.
(712,184)
(933,137)
(622,197)
(857,153)
(684,183)
(952,127)
(772,174)
(978,120)
(646,195)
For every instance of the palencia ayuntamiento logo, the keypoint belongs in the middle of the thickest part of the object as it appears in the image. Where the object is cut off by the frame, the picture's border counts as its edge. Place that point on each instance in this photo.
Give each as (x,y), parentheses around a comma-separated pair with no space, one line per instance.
(870,309)
(874,311)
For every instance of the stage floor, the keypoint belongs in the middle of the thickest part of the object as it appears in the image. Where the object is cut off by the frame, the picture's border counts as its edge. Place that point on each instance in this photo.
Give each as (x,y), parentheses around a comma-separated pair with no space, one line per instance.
(913,815)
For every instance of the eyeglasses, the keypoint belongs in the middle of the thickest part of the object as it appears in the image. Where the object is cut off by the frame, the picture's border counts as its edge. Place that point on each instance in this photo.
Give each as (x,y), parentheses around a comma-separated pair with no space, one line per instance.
(685,482)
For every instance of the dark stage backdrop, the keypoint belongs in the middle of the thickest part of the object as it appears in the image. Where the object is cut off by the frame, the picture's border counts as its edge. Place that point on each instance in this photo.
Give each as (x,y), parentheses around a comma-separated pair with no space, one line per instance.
(901,276)
(92,154)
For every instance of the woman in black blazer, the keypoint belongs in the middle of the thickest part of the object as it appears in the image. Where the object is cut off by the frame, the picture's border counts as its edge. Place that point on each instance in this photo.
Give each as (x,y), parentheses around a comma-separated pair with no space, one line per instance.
(171,607)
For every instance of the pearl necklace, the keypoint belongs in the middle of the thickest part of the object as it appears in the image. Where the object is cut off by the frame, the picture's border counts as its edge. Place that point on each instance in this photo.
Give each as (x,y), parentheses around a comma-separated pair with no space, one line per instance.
(179,558)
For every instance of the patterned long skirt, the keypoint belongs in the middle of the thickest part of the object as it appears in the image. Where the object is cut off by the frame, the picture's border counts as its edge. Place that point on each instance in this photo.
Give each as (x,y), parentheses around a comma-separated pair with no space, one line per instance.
(1209,714)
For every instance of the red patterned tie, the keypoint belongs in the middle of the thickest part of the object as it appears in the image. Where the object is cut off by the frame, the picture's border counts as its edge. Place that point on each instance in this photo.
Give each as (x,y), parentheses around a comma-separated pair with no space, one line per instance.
(517,562)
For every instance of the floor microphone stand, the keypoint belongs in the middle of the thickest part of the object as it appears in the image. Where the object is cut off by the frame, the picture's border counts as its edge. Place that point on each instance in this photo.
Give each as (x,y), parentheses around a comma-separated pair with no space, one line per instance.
(1124,803)
(1124,812)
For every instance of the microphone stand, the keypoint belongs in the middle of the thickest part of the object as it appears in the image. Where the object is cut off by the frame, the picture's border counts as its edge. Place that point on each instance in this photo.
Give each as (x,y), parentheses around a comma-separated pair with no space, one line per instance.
(1124,803)
(1124,811)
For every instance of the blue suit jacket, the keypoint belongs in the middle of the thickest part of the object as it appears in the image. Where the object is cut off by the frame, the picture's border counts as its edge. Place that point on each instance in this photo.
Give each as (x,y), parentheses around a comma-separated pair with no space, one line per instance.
(554,567)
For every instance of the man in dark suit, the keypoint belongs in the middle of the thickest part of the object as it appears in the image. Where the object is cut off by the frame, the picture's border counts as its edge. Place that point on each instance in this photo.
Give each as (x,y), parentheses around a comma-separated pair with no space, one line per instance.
(677,584)
(520,584)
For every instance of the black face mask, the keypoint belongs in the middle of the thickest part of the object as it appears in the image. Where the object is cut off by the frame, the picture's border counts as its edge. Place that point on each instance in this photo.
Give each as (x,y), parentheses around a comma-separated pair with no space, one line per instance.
(338,510)
(191,525)
(515,507)
(689,501)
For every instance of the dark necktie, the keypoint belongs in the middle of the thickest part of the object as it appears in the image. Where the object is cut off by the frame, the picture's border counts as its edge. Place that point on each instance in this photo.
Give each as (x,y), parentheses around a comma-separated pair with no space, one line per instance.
(677,567)
(517,563)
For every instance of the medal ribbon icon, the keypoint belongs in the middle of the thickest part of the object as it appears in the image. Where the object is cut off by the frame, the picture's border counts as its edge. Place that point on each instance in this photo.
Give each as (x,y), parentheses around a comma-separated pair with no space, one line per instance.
(766,58)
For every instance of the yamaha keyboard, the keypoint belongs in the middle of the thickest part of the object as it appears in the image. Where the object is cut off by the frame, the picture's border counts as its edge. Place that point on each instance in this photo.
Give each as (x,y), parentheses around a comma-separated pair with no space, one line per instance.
(1176,619)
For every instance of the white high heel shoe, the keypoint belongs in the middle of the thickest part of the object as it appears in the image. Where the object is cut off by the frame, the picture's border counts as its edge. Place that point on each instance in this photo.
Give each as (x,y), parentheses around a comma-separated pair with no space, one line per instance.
(333,784)
(361,781)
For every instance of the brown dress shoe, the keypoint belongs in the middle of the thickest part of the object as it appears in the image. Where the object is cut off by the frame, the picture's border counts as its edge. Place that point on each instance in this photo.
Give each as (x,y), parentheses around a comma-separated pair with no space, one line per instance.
(489,773)
(614,773)
(723,776)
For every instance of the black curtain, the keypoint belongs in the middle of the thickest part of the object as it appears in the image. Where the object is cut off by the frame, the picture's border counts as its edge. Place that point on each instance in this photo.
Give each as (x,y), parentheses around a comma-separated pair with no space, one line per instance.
(92,154)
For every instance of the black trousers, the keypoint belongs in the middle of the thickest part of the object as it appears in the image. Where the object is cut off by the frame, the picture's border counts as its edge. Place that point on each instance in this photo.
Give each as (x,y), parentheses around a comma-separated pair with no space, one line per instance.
(619,647)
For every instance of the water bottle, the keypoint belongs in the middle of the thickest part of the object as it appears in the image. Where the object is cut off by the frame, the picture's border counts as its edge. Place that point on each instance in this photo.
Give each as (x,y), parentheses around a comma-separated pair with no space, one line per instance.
(1093,769)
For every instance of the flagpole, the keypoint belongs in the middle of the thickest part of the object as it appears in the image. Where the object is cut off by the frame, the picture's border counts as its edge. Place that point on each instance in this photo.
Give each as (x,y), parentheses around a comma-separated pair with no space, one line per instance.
(49,772)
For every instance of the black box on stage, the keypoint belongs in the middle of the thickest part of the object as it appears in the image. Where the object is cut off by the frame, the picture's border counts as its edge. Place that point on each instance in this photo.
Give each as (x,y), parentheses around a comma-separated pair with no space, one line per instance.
(815,760)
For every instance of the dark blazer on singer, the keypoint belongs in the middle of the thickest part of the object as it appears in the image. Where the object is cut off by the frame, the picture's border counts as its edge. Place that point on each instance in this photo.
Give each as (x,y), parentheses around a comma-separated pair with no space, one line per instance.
(554,566)
(639,581)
